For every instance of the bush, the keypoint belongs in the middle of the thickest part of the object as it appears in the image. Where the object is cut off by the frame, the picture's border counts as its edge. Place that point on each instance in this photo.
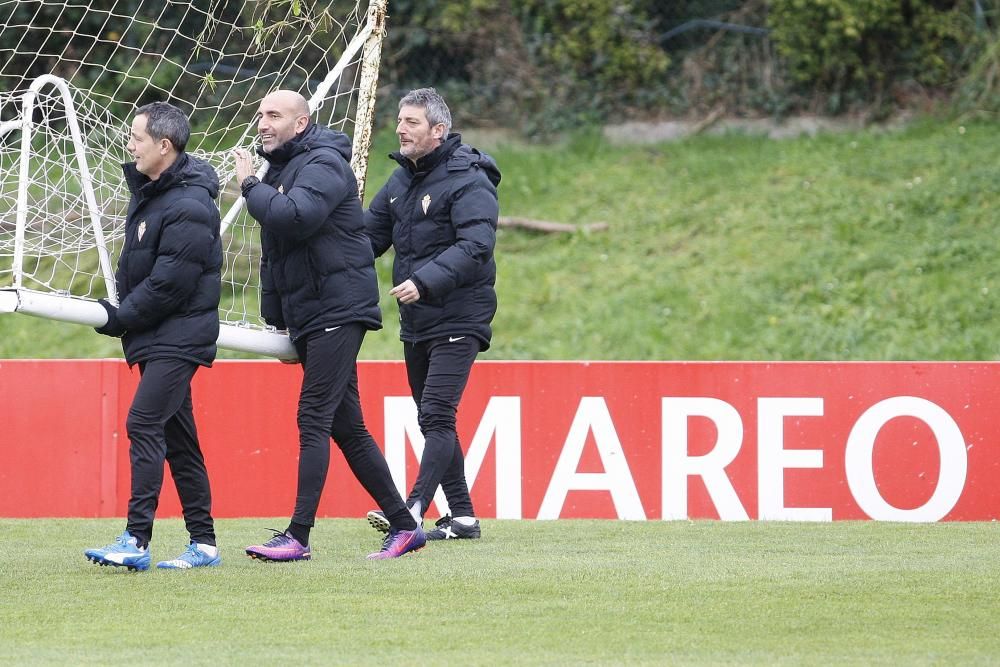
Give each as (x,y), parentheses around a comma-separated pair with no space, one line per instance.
(535,64)
(856,52)
(980,90)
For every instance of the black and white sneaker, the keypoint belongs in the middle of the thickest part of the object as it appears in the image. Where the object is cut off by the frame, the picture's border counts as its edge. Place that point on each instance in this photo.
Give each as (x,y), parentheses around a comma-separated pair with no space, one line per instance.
(446,528)
(377,520)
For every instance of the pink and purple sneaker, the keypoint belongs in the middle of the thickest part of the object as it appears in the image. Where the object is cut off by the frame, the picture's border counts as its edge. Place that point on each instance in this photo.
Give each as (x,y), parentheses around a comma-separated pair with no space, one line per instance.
(282,547)
(399,542)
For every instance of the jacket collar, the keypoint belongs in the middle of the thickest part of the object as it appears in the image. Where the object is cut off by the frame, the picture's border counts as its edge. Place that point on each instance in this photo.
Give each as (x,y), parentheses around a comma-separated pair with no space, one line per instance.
(432,159)
(142,187)
(291,148)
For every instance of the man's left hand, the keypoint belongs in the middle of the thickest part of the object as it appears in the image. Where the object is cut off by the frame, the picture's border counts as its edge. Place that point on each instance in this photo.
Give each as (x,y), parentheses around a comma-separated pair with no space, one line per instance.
(112,327)
(406,292)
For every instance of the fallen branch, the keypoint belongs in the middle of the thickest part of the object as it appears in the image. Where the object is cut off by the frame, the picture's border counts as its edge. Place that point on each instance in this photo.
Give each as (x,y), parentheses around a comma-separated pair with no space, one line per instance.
(708,121)
(550,227)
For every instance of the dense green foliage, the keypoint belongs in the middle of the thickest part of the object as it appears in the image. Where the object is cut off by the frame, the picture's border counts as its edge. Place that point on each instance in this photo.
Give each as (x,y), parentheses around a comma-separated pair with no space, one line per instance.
(874,245)
(547,592)
(857,51)
(542,65)
(530,64)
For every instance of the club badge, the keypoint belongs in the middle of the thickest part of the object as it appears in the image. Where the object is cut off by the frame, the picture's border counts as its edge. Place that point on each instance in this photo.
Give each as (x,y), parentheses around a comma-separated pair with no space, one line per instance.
(142,229)
(426,202)
(281,189)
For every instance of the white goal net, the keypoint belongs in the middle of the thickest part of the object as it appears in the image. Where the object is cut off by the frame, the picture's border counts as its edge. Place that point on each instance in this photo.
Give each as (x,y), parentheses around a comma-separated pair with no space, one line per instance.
(71,76)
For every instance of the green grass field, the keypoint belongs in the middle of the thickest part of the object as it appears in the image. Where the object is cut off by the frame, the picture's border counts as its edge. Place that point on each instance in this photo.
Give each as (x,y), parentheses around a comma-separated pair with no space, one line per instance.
(560,593)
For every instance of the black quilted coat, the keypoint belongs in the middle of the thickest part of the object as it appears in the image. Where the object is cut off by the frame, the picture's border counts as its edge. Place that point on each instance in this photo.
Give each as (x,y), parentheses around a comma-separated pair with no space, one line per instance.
(169,272)
(440,215)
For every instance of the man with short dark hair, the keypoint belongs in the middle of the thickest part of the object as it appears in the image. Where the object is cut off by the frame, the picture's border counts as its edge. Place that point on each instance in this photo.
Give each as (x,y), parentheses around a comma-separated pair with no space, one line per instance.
(318,282)
(439,211)
(169,283)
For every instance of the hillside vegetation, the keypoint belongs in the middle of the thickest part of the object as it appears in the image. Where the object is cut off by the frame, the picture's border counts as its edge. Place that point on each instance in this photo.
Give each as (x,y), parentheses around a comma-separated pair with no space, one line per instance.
(875,245)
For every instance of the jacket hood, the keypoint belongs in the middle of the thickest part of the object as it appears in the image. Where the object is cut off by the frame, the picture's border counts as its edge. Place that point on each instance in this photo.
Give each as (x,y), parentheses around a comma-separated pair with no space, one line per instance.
(185,171)
(465,156)
(315,136)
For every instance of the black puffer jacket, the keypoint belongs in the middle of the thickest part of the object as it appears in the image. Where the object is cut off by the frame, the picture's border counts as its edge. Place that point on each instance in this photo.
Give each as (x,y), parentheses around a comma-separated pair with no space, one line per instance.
(317,268)
(169,272)
(441,217)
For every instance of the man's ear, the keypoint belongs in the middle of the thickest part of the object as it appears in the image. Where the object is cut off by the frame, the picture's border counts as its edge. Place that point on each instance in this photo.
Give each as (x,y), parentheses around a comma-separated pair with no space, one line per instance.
(438,132)
(165,146)
(301,123)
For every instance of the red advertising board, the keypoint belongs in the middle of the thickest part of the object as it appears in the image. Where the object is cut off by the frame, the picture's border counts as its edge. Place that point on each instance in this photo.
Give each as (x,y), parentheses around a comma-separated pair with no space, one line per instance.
(547,440)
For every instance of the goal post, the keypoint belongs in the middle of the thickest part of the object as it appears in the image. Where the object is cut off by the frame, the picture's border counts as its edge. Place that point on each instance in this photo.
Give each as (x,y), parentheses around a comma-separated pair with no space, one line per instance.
(86,180)
(62,194)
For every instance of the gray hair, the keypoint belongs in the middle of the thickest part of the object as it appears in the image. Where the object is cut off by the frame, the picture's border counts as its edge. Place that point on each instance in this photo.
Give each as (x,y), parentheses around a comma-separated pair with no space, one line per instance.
(165,121)
(433,105)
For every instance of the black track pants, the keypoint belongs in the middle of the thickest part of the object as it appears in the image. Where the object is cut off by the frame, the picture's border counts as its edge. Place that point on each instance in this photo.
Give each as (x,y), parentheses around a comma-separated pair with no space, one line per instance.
(329,406)
(438,371)
(161,427)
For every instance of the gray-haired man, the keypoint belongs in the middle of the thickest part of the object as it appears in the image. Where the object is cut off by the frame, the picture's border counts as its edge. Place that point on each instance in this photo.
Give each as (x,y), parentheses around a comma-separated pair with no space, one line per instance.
(439,211)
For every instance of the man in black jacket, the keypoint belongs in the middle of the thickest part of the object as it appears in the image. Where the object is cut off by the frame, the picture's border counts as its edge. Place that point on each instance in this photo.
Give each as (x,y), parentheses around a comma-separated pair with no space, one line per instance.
(169,282)
(439,211)
(318,282)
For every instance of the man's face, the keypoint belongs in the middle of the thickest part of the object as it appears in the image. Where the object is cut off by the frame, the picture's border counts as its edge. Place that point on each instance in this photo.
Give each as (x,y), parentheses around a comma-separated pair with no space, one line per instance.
(278,123)
(416,136)
(151,157)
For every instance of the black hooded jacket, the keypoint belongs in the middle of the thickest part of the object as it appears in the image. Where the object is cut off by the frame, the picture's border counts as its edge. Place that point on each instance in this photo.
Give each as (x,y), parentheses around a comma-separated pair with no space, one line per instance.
(317,267)
(169,272)
(440,215)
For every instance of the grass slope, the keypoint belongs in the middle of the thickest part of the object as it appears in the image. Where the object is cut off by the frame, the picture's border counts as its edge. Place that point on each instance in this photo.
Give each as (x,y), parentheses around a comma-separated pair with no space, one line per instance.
(566,592)
(872,245)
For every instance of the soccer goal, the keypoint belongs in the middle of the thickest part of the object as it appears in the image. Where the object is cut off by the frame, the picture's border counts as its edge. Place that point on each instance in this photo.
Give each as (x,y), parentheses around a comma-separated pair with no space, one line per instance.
(71,76)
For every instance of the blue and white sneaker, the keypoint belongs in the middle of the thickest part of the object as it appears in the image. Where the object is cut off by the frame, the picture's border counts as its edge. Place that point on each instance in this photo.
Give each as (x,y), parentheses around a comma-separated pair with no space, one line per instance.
(123,552)
(196,555)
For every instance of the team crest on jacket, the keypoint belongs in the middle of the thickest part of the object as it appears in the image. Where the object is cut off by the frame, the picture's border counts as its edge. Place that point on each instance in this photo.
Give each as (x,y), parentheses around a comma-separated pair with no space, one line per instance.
(142,229)
(426,203)
(281,189)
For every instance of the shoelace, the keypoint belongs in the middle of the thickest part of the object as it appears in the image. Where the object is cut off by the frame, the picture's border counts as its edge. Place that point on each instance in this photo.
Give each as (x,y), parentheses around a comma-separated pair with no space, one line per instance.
(391,538)
(119,541)
(388,540)
(193,550)
(443,521)
(279,539)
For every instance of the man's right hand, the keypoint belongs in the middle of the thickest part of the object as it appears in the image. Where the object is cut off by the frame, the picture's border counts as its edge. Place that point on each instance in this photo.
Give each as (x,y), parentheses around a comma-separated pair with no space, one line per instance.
(244,165)
(112,327)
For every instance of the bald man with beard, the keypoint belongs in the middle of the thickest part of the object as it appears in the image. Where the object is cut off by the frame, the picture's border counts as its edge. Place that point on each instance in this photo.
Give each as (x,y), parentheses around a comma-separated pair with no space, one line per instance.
(318,281)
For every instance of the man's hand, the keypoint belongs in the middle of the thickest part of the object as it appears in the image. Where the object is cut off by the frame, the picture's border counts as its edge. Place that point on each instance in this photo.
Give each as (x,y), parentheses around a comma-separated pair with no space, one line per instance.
(406,292)
(244,165)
